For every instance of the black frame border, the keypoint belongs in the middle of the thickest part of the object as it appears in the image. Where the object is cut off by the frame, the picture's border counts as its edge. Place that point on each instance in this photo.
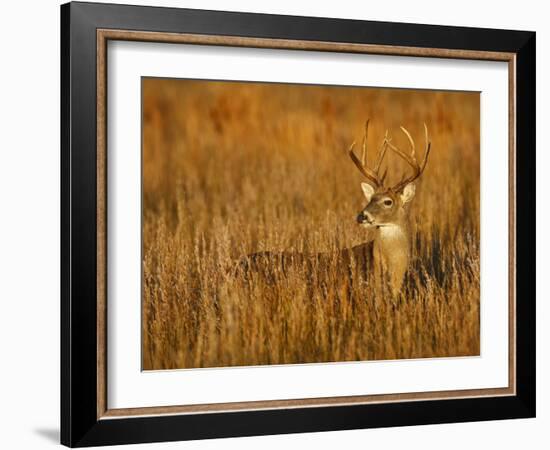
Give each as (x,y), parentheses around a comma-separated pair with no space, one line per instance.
(79,423)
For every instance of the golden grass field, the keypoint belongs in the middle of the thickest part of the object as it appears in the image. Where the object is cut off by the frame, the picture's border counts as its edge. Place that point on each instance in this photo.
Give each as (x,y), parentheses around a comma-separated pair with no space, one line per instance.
(234,168)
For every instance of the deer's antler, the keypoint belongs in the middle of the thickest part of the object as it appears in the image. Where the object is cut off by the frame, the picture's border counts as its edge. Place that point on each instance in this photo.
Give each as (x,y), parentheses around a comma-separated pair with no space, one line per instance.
(411,159)
(371,175)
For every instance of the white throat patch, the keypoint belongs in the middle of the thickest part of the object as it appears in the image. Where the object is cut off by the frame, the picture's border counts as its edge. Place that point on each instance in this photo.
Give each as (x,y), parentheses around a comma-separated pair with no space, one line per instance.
(391,232)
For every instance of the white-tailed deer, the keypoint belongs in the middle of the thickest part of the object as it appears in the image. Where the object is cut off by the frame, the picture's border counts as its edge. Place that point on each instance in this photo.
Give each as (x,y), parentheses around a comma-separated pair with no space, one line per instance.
(386,214)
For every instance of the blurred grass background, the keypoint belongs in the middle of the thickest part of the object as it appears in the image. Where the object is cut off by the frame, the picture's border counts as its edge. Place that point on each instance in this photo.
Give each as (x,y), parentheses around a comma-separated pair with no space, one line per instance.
(233,168)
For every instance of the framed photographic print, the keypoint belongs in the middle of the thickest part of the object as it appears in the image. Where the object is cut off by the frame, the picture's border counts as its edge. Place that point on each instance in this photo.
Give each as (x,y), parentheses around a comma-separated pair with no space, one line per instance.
(276,224)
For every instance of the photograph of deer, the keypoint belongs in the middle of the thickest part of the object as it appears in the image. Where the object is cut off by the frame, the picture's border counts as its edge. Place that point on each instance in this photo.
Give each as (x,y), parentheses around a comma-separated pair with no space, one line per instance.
(268,240)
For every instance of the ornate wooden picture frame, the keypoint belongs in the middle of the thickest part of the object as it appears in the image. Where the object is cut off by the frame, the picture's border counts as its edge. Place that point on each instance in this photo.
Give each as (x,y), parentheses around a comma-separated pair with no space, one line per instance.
(86,417)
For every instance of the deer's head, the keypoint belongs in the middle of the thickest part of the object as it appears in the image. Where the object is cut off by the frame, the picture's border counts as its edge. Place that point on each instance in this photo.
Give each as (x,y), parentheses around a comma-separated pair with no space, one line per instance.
(386,204)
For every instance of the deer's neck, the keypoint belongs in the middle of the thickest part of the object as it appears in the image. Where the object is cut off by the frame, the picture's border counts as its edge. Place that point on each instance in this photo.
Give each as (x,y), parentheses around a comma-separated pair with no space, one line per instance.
(392,250)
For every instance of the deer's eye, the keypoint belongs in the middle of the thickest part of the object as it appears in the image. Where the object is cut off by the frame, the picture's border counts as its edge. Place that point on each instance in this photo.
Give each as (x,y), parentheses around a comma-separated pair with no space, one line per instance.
(388,202)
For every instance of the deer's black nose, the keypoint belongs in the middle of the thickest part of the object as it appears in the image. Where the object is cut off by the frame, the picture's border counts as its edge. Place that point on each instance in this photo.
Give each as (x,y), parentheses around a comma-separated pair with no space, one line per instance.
(360,218)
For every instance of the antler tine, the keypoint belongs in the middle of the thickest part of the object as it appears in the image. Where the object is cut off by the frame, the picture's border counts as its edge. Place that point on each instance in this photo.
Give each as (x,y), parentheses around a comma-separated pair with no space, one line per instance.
(411,141)
(365,137)
(381,153)
(370,174)
(384,175)
(411,159)
(403,155)
(428,147)
(367,173)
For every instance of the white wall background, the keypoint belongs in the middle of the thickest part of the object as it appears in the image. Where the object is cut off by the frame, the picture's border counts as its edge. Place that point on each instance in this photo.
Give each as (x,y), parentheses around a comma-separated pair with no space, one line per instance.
(29,224)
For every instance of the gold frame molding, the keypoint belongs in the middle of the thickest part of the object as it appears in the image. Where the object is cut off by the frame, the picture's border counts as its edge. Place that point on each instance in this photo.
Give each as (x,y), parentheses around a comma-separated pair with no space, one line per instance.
(103,36)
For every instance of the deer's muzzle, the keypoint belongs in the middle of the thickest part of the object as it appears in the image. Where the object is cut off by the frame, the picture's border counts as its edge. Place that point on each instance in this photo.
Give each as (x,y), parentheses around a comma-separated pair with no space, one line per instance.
(362,218)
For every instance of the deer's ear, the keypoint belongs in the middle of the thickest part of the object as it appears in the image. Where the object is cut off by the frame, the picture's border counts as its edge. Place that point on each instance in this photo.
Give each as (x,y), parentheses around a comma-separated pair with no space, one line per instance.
(368,191)
(408,193)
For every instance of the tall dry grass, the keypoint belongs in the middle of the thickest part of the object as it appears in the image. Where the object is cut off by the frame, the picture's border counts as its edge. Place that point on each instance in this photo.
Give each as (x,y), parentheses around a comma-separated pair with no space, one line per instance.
(235,168)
